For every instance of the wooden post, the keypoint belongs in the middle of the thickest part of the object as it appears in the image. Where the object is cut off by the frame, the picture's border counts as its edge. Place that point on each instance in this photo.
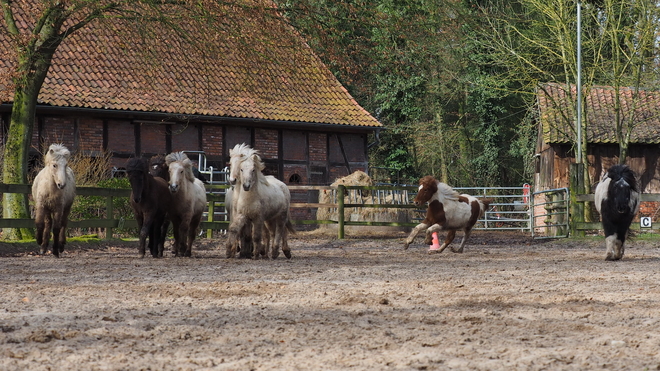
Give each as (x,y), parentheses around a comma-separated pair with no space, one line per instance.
(577,208)
(341,190)
(210,217)
(110,214)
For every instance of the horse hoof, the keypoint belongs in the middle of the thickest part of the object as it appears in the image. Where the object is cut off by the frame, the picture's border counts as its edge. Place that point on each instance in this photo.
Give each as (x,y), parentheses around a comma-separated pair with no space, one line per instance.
(287,254)
(405,247)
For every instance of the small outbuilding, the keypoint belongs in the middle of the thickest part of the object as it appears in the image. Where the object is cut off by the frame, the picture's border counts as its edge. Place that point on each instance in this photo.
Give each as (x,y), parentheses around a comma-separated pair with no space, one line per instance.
(555,149)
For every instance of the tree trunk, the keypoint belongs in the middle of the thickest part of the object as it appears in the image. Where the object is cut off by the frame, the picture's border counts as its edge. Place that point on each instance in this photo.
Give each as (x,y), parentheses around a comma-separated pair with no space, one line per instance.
(15,205)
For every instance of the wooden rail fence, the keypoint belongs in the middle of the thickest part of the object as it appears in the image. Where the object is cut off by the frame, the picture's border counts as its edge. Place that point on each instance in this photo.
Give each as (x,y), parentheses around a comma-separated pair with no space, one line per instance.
(215,198)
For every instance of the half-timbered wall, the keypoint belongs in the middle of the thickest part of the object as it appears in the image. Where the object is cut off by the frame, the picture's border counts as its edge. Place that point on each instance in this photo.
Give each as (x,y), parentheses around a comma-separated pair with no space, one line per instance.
(295,156)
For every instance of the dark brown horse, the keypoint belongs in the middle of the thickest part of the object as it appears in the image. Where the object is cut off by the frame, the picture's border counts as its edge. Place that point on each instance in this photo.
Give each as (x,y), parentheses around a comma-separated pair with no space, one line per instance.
(150,200)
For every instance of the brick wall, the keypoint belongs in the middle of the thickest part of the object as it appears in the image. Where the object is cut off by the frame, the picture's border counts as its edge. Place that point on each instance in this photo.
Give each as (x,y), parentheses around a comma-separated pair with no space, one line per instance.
(59,130)
(212,140)
(121,137)
(318,151)
(90,133)
(266,142)
(649,208)
(152,138)
(300,170)
(185,137)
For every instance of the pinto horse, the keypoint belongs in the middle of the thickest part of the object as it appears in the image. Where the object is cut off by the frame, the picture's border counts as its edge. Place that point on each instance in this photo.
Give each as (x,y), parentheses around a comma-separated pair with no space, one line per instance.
(617,201)
(53,191)
(150,200)
(448,210)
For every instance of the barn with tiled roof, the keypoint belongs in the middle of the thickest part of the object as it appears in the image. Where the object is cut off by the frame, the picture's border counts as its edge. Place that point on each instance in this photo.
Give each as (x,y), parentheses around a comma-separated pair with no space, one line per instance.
(556,133)
(109,91)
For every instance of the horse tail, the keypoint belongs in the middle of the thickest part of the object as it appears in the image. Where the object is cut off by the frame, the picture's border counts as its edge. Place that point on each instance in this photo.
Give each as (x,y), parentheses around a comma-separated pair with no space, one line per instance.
(289,227)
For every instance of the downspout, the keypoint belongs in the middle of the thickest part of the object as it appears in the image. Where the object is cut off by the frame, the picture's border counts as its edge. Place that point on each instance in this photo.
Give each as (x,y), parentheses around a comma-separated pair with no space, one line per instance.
(377,139)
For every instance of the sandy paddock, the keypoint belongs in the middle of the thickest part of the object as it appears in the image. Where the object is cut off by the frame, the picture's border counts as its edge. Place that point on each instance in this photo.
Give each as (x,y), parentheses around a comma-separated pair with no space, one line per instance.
(364,303)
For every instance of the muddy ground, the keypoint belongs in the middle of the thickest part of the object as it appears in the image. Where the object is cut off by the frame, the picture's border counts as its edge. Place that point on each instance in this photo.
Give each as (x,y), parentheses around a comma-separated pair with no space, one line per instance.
(507,303)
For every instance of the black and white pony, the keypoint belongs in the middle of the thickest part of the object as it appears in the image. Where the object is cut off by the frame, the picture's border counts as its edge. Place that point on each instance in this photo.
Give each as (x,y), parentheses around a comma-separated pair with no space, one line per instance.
(617,201)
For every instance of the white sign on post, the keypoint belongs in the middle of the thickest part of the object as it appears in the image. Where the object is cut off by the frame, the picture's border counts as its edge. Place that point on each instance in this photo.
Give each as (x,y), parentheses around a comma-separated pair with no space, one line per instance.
(645,222)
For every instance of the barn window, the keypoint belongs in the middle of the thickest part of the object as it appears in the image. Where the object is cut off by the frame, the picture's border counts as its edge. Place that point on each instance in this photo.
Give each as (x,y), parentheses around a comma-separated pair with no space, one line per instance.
(295,179)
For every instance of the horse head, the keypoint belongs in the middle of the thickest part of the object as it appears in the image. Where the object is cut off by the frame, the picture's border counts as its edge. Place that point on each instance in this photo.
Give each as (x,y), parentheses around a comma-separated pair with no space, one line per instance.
(428,186)
(137,170)
(237,155)
(56,160)
(249,170)
(621,188)
(180,170)
(158,167)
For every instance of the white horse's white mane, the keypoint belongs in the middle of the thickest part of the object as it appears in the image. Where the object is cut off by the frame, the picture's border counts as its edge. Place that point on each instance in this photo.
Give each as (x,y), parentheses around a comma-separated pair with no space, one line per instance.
(244,152)
(57,152)
(176,156)
(447,192)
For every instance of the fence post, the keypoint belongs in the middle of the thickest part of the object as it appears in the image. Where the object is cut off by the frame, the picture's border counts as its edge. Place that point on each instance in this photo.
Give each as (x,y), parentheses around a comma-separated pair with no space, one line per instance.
(340,210)
(110,214)
(577,208)
(211,215)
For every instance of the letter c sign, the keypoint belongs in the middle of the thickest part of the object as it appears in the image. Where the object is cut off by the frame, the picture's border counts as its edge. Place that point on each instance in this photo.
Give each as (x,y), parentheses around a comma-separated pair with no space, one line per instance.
(645,222)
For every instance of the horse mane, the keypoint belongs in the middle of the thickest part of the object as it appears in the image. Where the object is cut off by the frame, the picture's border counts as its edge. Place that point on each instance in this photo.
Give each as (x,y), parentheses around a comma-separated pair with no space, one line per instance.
(157,160)
(176,156)
(242,150)
(447,192)
(57,152)
(136,164)
(623,172)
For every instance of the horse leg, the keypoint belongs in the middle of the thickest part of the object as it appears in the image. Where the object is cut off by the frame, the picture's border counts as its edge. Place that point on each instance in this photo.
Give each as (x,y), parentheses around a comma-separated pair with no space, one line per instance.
(451,234)
(257,236)
(165,225)
(285,238)
(40,222)
(139,218)
(268,233)
(192,232)
(236,226)
(272,243)
(414,234)
(57,227)
(183,236)
(465,237)
(613,246)
(65,222)
(246,240)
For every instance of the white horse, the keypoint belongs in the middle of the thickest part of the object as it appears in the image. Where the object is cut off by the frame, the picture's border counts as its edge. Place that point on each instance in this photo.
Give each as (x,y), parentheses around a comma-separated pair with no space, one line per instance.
(53,191)
(259,206)
(188,202)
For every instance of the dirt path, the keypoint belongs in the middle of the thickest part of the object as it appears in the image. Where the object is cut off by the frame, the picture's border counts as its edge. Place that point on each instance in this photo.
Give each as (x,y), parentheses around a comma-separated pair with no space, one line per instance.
(365,304)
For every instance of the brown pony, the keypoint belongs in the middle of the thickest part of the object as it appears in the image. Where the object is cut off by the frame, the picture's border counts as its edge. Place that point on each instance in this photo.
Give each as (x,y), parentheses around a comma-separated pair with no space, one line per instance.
(447,211)
(150,200)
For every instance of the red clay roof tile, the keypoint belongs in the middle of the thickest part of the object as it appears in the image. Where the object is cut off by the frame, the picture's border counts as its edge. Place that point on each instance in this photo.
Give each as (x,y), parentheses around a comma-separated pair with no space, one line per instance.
(555,104)
(99,68)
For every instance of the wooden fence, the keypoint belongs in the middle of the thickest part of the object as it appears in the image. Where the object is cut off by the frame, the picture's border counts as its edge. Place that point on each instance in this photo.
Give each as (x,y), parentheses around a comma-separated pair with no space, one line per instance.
(215,198)
(579,224)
